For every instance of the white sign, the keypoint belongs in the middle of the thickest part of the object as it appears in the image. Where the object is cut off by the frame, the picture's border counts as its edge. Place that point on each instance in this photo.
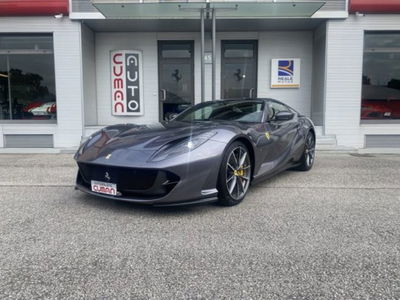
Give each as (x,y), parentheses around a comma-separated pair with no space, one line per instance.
(285,73)
(208,57)
(126,82)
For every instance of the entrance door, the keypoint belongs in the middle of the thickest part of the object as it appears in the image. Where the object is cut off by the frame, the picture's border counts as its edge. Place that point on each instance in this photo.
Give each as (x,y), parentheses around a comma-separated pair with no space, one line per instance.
(239,69)
(176,77)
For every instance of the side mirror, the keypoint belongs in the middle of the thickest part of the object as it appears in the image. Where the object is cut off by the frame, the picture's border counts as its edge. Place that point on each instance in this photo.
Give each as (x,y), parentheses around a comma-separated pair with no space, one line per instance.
(284,116)
(170,116)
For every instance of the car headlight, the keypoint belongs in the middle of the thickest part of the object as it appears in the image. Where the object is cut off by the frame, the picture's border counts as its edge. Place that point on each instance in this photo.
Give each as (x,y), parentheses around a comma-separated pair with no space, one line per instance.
(85,141)
(94,137)
(182,146)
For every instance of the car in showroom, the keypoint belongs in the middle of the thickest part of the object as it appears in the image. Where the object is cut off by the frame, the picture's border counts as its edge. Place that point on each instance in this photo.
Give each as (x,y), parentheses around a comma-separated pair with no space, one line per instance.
(212,151)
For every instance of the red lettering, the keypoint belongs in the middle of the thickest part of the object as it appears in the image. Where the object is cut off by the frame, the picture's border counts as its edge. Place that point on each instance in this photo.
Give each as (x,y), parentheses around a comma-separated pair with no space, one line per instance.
(114,59)
(118,104)
(121,69)
(118,96)
(118,89)
(118,83)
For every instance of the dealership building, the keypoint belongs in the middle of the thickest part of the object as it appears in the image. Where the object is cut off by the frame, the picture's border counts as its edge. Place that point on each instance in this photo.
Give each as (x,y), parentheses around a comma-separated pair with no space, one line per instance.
(69,68)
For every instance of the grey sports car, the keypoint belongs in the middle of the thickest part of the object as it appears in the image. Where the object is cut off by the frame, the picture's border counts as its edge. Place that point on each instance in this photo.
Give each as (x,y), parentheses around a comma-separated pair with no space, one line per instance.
(212,151)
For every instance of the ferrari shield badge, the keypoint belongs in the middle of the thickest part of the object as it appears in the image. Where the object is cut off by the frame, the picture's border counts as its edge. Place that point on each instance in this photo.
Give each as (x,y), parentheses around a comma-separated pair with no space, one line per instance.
(267,135)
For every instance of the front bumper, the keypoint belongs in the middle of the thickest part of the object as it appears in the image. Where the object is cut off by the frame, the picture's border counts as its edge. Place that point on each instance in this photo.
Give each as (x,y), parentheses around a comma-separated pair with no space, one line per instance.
(177,182)
(156,202)
(134,183)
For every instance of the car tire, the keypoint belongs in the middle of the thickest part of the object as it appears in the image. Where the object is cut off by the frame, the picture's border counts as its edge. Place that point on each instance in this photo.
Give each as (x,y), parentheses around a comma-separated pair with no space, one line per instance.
(234,175)
(308,157)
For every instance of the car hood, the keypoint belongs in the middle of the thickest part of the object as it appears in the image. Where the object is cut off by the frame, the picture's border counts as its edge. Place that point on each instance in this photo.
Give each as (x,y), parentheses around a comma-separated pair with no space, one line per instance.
(143,140)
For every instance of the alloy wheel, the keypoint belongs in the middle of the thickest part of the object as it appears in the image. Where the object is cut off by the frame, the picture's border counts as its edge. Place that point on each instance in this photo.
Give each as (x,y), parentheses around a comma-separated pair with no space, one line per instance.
(238,171)
(310,150)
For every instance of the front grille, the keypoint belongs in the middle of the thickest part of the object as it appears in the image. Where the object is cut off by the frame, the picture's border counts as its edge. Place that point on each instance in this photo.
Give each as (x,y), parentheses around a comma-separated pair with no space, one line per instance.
(131,182)
(137,179)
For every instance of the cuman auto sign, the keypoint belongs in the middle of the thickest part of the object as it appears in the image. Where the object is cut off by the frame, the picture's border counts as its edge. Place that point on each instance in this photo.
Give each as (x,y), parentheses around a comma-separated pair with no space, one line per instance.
(126,82)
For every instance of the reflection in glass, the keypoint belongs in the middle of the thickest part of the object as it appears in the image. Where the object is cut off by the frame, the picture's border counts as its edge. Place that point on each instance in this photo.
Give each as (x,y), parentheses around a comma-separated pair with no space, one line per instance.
(381,40)
(176,80)
(233,110)
(4,93)
(176,77)
(27,79)
(239,50)
(381,77)
(176,50)
(238,79)
(25,42)
(239,69)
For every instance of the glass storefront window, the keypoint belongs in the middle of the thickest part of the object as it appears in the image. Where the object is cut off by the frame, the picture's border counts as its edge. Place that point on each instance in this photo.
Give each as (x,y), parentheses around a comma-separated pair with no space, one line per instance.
(27,78)
(176,50)
(381,76)
(239,50)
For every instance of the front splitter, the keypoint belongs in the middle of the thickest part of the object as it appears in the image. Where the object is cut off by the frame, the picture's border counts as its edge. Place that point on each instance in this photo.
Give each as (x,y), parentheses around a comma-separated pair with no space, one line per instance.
(205,200)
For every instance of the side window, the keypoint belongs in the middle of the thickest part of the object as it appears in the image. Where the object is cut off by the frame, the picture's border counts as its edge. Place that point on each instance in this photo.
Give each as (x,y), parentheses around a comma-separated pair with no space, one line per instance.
(274,108)
(203,113)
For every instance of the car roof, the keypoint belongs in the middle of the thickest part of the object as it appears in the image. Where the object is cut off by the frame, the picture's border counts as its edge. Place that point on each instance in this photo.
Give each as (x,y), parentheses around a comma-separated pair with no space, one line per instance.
(251,99)
(259,99)
(247,99)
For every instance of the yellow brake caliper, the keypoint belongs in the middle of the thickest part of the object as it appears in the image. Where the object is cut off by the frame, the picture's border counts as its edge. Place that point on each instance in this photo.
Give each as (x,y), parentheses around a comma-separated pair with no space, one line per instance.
(239,172)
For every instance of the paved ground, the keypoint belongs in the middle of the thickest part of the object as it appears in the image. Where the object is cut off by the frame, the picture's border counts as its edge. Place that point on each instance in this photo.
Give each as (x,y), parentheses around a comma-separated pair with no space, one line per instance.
(331,233)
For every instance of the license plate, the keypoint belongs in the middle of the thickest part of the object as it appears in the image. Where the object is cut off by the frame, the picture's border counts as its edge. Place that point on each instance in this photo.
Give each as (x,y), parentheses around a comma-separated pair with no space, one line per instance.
(104,188)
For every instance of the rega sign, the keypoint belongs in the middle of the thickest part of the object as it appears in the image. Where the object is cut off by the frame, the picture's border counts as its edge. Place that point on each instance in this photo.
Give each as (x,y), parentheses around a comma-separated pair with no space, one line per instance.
(126,82)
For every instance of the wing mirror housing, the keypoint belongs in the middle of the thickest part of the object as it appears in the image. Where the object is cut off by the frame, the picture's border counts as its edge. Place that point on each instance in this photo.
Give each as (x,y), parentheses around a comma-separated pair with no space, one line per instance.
(284,116)
(172,116)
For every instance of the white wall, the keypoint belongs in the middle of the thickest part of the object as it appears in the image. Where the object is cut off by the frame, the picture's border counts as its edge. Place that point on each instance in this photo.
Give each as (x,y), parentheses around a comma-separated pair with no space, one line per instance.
(344,59)
(67,60)
(271,45)
(277,44)
(147,43)
(295,44)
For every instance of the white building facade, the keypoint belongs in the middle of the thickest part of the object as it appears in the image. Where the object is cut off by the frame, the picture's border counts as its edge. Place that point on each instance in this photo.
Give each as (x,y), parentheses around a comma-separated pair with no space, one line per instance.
(50,49)
(61,76)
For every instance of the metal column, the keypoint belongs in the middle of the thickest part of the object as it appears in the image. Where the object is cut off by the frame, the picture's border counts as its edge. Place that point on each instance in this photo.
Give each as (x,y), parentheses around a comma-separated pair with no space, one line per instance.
(214,66)
(202,55)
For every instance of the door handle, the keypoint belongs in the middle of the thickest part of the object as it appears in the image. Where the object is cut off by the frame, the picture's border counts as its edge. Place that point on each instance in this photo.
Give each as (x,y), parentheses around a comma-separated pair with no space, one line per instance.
(164,94)
(251,93)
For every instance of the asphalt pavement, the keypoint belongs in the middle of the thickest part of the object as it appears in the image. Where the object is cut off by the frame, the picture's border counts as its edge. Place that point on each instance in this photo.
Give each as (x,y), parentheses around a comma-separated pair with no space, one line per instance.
(331,233)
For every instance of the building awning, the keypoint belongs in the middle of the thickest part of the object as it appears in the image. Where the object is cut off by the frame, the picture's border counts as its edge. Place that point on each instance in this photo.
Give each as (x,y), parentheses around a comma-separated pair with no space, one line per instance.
(125,9)
(10,8)
(373,6)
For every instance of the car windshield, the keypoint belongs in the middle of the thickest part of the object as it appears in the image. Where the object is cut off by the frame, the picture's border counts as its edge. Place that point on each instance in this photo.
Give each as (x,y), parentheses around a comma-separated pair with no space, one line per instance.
(232,110)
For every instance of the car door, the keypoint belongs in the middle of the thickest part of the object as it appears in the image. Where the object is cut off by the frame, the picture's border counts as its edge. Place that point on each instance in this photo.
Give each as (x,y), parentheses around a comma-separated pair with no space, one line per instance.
(281,135)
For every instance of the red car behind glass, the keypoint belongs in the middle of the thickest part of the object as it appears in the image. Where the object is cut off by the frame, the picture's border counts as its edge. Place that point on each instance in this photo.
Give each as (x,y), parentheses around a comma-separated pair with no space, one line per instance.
(380,109)
(380,102)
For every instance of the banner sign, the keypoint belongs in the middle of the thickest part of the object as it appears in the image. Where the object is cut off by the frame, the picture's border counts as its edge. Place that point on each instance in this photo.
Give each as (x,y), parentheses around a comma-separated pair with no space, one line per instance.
(285,73)
(126,83)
